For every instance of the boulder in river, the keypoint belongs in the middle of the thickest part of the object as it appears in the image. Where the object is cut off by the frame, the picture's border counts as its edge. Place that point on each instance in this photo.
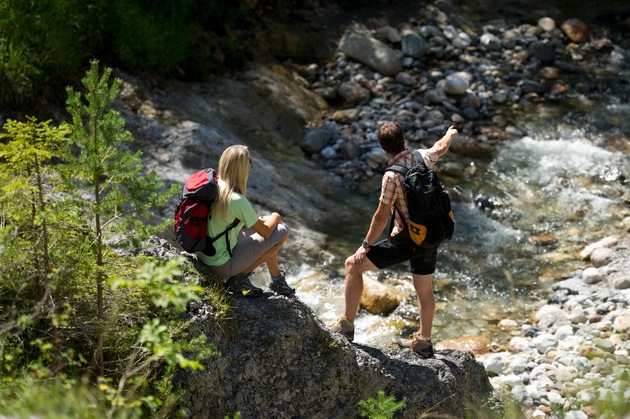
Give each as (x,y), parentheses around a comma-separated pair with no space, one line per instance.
(371,52)
(377,298)
(476,344)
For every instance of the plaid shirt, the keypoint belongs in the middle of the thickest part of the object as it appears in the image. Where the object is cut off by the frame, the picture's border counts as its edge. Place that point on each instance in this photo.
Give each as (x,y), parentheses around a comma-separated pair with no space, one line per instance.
(392,189)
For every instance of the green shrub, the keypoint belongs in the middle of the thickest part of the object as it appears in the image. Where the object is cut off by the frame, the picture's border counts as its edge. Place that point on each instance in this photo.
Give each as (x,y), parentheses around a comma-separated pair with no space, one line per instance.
(146,40)
(18,75)
(381,407)
(58,399)
(44,42)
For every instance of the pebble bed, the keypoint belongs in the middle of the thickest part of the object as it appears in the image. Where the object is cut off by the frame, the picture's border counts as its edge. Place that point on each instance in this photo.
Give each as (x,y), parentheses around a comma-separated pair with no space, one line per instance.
(429,75)
(571,359)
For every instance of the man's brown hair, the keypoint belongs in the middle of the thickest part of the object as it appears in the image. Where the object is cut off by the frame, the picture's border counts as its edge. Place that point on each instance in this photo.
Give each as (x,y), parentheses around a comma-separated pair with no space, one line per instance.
(391,137)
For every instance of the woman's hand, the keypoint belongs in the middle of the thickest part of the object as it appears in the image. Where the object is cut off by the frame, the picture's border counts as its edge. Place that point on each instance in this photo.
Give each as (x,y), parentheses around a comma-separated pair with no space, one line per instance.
(271,220)
(266,224)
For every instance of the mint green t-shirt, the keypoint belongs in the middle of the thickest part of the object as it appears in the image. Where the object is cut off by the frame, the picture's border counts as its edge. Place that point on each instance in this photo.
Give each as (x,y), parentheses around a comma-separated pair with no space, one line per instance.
(239,207)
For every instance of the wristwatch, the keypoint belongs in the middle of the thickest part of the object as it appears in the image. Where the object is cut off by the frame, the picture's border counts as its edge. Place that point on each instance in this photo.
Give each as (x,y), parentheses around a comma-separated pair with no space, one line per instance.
(365,245)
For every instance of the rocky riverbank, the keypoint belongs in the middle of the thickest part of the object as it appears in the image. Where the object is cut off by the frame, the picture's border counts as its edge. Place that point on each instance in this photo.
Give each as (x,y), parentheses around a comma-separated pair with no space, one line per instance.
(428,74)
(571,359)
(490,84)
(278,360)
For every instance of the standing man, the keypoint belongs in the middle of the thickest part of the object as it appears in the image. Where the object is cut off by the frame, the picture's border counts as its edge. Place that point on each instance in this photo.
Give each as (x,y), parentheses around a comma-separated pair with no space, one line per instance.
(374,256)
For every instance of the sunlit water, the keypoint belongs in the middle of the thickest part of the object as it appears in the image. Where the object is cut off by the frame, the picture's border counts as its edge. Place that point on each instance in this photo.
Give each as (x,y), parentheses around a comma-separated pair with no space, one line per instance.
(561,182)
(565,187)
(562,185)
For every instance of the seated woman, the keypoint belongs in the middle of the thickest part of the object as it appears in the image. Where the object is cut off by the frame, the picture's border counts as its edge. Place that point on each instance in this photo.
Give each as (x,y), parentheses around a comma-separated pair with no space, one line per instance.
(253,240)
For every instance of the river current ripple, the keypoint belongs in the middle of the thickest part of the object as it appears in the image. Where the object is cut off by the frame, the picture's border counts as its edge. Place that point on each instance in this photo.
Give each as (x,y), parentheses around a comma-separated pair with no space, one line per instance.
(522,217)
(568,189)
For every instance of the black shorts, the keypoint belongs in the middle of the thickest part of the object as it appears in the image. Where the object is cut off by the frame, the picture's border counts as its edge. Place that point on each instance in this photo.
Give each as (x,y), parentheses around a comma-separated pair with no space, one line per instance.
(385,254)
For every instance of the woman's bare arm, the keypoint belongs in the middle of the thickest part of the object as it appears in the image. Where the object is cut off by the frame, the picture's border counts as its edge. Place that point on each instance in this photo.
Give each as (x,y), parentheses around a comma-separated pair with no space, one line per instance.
(266,225)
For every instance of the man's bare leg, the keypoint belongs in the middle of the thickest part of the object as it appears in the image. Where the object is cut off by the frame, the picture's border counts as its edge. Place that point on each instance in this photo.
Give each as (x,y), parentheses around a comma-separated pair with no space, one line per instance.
(354,285)
(426,302)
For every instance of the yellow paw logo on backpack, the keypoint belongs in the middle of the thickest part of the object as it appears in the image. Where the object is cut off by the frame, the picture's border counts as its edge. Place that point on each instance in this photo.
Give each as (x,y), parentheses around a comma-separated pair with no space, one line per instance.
(245,292)
(418,232)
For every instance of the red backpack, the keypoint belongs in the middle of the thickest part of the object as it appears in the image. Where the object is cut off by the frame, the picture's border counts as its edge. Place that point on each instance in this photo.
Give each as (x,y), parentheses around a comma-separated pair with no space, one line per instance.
(193,212)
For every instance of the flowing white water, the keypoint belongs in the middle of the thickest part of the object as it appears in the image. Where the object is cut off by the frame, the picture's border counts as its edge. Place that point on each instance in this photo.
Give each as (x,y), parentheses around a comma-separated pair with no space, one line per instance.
(566,187)
(522,215)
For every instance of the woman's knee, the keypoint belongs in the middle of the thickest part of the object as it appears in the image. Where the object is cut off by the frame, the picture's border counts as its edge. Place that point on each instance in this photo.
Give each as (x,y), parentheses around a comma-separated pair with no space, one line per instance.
(284,231)
(280,234)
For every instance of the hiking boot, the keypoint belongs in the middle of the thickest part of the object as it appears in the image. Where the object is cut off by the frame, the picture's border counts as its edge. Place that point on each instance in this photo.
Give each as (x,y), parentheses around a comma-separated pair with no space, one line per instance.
(342,325)
(279,285)
(418,344)
(241,285)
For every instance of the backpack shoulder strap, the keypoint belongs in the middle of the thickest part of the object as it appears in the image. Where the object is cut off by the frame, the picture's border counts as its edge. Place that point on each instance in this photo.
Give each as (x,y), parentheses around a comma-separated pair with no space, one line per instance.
(398,168)
(418,157)
(227,237)
(393,220)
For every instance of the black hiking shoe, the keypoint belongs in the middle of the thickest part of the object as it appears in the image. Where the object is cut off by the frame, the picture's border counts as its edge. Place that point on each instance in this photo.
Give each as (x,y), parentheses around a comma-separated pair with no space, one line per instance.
(418,344)
(241,285)
(279,286)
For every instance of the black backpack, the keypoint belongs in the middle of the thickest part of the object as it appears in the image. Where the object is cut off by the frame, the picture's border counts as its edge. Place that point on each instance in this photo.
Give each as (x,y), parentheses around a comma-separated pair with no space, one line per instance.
(193,212)
(431,220)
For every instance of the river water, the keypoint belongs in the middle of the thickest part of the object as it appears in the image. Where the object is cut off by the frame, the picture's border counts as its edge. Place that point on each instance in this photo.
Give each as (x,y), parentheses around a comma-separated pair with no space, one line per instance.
(522,215)
(566,188)
(523,212)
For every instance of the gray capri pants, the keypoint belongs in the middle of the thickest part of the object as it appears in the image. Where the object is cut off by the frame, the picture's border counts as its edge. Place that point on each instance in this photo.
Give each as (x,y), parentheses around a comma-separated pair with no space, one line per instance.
(249,247)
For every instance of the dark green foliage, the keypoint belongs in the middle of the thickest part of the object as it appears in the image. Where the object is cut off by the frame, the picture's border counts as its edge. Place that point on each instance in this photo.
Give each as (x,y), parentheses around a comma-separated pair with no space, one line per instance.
(44,41)
(148,40)
(47,43)
(19,77)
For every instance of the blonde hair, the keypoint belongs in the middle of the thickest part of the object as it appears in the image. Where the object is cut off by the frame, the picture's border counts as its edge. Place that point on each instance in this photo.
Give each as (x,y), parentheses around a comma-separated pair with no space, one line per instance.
(233,172)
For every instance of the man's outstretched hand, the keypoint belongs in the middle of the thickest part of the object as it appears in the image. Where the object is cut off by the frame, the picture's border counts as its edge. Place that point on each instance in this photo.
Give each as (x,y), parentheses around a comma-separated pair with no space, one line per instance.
(451,133)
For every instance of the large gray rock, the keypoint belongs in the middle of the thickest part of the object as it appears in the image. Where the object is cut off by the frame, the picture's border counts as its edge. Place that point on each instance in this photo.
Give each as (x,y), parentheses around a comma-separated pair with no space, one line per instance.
(371,52)
(414,46)
(277,360)
(183,127)
(455,85)
(315,139)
